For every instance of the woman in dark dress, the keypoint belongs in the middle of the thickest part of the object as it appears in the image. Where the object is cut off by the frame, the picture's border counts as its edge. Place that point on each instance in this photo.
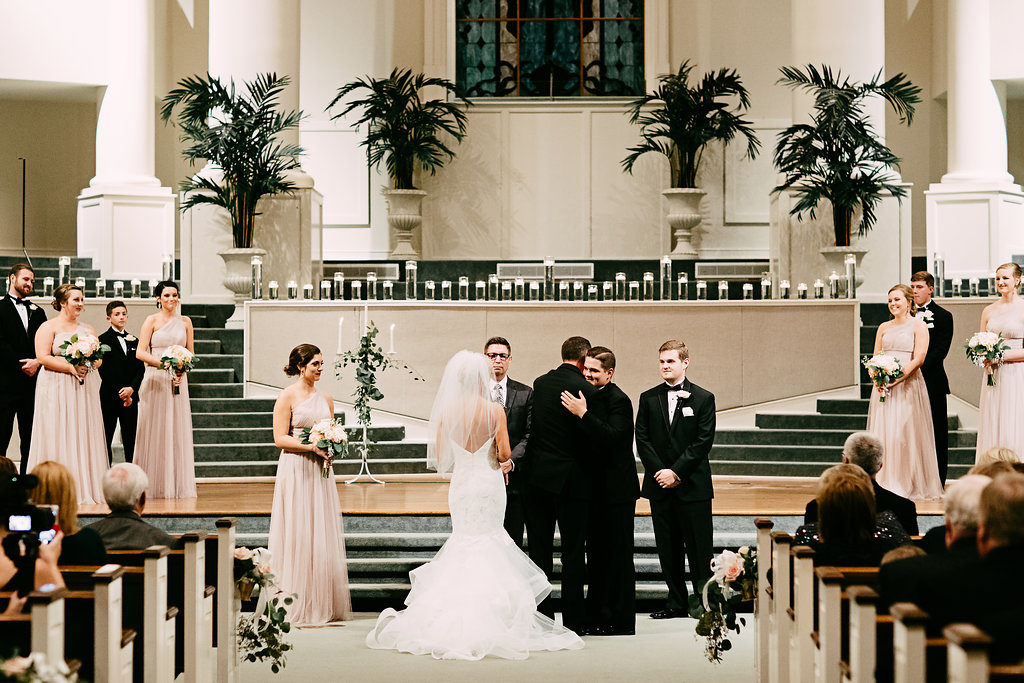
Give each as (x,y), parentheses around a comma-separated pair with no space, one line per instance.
(57,487)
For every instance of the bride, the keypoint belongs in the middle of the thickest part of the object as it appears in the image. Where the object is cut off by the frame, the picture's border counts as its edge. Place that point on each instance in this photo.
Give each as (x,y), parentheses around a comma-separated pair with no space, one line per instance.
(479,594)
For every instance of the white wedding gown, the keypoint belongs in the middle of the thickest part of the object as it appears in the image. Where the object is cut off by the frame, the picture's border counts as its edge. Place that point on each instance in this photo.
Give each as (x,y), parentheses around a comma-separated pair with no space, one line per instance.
(479,594)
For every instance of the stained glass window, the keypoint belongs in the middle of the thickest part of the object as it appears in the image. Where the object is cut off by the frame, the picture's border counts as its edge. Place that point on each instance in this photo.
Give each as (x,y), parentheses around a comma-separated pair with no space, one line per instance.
(549,48)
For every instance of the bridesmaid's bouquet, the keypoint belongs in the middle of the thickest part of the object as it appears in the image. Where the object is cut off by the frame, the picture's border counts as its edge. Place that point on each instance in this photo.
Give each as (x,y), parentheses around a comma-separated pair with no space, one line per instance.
(83,350)
(328,435)
(884,370)
(177,360)
(984,346)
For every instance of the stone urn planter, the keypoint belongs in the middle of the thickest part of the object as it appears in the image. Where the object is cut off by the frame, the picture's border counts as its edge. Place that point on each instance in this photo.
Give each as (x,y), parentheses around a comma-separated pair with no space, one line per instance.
(238,279)
(405,214)
(683,216)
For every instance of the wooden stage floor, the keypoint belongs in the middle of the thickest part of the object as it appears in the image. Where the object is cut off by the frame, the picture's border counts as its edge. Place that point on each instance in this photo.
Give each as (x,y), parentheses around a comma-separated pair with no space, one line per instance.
(418,495)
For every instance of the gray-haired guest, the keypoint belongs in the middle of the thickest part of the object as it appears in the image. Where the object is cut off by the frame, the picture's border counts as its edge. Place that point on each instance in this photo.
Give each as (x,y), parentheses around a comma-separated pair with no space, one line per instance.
(124,488)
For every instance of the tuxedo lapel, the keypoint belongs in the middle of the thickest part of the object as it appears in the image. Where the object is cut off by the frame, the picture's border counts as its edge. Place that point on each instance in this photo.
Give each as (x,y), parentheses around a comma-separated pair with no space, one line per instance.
(663,409)
(510,398)
(12,318)
(113,341)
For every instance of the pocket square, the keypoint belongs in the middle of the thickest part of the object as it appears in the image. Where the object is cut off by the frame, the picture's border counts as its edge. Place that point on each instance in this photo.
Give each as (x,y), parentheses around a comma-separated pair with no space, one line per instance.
(687,411)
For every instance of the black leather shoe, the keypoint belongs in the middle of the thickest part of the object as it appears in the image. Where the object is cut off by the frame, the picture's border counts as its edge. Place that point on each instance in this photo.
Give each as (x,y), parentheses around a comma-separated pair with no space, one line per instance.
(669,614)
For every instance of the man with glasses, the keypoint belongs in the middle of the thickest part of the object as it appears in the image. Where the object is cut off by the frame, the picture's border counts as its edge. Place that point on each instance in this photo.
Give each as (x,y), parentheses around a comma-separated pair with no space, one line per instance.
(517,399)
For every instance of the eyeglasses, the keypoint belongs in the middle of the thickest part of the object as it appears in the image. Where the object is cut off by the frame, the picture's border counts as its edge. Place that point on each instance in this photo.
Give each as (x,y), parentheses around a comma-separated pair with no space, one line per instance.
(496,356)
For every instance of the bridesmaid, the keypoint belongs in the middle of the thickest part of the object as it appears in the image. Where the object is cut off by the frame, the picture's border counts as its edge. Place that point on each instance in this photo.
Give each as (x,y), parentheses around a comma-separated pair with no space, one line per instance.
(307,548)
(1001,412)
(68,427)
(163,443)
(903,422)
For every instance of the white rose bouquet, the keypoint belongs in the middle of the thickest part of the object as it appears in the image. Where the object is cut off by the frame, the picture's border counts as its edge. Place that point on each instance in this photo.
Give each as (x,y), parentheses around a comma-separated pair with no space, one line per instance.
(177,360)
(328,435)
(984,346)
(883,370)
(83,350)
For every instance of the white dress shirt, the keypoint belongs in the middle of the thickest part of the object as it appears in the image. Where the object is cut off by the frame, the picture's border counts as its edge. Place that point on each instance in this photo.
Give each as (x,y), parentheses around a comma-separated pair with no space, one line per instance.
(673,398)
(120,338)
(22,310)
(504,390)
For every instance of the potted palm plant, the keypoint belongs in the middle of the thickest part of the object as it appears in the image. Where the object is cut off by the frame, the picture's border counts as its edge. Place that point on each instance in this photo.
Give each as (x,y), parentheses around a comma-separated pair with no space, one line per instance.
(238,133)
(838,156)
(406,133)
(679,119)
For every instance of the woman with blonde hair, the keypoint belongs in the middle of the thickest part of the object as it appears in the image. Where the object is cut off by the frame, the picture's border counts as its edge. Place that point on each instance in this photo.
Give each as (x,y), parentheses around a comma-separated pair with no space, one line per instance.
(57,487)
(903,421)
(998,454)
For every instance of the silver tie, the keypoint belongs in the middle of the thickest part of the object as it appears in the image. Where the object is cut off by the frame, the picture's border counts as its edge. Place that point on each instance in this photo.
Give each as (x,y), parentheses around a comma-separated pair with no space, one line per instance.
(499,396)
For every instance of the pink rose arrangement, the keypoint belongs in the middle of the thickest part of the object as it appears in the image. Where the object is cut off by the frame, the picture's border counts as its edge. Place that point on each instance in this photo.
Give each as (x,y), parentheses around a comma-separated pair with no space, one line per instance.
(83,351)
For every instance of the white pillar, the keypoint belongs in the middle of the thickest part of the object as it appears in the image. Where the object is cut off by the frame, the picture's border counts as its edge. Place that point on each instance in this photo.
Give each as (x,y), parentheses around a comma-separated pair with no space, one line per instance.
(975,216)
(125,218)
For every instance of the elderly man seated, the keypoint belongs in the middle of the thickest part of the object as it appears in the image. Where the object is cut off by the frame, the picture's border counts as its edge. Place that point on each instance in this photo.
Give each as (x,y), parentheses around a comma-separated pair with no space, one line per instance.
(124,487)
(865,451)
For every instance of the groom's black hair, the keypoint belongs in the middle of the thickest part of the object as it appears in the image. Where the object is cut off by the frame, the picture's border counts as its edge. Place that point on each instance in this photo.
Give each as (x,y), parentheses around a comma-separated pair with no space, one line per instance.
(498,340)
(575,348)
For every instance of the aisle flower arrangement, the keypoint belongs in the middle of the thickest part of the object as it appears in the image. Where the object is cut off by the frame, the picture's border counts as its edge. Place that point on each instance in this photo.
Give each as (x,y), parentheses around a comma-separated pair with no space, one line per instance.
(261,637)
(986,346)
(883,370)
(34,669)
(733,582)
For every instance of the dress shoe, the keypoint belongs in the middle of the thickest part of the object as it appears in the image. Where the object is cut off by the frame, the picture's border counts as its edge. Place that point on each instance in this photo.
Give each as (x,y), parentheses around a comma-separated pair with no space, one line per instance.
(616,631)
(669,614)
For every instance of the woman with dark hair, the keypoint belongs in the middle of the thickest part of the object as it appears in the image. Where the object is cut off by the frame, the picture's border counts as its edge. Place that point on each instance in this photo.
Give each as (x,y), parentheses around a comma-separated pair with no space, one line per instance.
(68,424)
(163,442)
(307,548)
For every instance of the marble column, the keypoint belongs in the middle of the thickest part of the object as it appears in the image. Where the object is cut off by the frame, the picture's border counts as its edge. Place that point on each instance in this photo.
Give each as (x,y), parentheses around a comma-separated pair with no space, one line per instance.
(125,218)
(977,194)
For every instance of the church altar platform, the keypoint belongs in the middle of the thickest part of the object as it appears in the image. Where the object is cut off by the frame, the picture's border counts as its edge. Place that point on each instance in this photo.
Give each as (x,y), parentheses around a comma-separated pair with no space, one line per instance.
(428,495)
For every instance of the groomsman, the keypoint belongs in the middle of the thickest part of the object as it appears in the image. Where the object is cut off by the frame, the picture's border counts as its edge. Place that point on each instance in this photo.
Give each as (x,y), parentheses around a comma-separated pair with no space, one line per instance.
(675,428)
(517,399)
(19,321)
(608,420)
(121,376)
(940,335)
(559,480)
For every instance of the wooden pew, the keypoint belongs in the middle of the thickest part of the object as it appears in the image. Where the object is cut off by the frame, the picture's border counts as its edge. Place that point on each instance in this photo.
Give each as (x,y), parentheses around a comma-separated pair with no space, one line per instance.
(967,657)
(781,602)
(762,599)
(112,648)
(909,642)
(801,645)
(860,667)
(228,603)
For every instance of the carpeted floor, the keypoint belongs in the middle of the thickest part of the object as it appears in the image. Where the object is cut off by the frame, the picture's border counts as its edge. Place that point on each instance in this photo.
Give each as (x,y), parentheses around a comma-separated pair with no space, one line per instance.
(661,650)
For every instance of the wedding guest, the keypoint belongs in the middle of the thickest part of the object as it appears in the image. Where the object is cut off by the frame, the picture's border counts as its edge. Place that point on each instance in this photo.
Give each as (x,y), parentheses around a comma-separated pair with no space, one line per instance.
(1001,410)
(307,547)
(903,552)
(7,466)
(19,321)
(992,469)
(517,399)
(675,429)
(608,420)
(864,450)
(164,437)
(939,322)
(997,454)
(124,487)
(121,373)
(57,487)
(68,424)
(848,532)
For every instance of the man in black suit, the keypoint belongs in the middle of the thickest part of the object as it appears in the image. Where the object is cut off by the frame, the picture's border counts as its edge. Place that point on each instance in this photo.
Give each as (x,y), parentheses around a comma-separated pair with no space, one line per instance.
(675,429)
(121,374)
(916,579)
(559,482)
(19,321)
(608,420)
(517,399)
(866,452)
(940,335)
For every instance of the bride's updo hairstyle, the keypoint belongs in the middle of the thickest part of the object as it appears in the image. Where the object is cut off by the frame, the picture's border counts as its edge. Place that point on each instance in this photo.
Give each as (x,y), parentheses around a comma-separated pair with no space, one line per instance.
(907,294)
(1014,269)
(299,358)
(62,294)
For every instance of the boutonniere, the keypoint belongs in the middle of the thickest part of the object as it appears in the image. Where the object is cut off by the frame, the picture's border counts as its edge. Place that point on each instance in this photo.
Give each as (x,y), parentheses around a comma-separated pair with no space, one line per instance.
(925,316)
(32,306)
(130,338)
(684,394)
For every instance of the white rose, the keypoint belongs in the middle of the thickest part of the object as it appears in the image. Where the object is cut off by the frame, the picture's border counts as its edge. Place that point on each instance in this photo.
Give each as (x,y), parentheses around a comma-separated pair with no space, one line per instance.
(243,553)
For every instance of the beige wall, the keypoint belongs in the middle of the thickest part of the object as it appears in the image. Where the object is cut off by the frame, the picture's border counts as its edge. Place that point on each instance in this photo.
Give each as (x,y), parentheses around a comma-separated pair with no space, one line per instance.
(744,353)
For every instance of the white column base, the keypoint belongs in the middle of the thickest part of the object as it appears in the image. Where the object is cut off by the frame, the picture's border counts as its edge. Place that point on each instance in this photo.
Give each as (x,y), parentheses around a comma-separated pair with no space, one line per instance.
(975,227)
(126,231)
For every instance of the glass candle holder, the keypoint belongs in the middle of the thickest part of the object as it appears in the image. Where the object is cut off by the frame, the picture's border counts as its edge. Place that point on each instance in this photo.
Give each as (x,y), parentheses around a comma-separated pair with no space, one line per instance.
(534,291)
(519,293)
(683,287)
(634,291)
(956,286)
(118,288)
(723,290)
(506,290)
(784,289)
(607,291)
(702,290)
(357,290)
(665,290)
(748,291)
(973,284)
(136,289)
(388,288)
(429,291)
(325,290)
(256,277)
(648,289)
(150,289)
(801,290)
(563,291)
(272,290)
(766,288)
(101,288)
(851,276)
(80,282)
(63,269)
(549,278)
(371,286)
(338,288)
(620,286)
(940,274)
(410,280)
(492,287)
(481,290)
(167,268)
(307,292)
(463,288)
(991,285)
(819,289)
(293,289)
(577,290)
(833,285)
(446,290)
(592,291)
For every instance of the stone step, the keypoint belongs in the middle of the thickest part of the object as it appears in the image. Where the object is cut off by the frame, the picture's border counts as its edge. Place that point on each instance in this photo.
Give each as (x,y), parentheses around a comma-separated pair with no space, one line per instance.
(264,434)
(371,568)
(206,346)
(231,405)
(815,437)
(842,406)
(202,375)
(231,341)
(768,468)
(754,454)
(199,321)
(226,390)
(261,452)
(817,421)
(212,361)
(84,262)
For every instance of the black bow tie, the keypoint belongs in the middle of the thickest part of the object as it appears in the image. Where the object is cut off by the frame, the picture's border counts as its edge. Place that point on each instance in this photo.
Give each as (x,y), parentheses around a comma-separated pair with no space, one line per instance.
(675,387)
(24,302)
(122,335)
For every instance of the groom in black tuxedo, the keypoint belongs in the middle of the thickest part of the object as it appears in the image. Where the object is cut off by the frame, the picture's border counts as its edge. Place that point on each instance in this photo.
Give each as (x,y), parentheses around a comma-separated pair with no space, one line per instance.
(940,335)
(559,486)
(121,375)
(517,400)
(19,321)
(675,428)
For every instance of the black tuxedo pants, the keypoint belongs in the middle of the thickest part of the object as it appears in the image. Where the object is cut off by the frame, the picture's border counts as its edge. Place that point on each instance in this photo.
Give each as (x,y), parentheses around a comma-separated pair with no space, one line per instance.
(114,411)
(683,535)
(515,522)
(543,511)
(940,423)
(17,405)
(611,578)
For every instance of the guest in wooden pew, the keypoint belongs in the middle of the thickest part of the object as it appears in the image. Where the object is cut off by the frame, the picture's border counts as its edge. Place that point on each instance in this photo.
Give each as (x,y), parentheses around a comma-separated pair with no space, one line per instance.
(911,580)
(903,552)
(124,487)
(849,532)
(47,571)
(7,466)
(57,487)
(998,454)
(866,451)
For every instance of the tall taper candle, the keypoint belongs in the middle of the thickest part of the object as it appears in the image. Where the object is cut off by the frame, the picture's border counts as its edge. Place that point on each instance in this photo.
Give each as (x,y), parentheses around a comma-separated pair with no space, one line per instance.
(341,324)
(391,345)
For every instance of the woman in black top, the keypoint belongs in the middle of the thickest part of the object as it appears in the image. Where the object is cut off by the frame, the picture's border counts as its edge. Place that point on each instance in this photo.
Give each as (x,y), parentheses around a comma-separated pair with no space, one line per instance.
(57,487)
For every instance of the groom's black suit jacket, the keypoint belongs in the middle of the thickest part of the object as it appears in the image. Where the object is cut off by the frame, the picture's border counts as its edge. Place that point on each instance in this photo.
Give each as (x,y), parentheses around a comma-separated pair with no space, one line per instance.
(940,336)
(518,402)
(120,370)
(609,424)
(682,447)
(17,343)
(558,450)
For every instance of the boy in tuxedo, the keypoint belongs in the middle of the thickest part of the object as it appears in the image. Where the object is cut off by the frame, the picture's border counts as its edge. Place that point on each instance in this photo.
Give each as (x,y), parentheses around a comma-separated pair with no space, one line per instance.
(121,375)
(20,319)
(675,429)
